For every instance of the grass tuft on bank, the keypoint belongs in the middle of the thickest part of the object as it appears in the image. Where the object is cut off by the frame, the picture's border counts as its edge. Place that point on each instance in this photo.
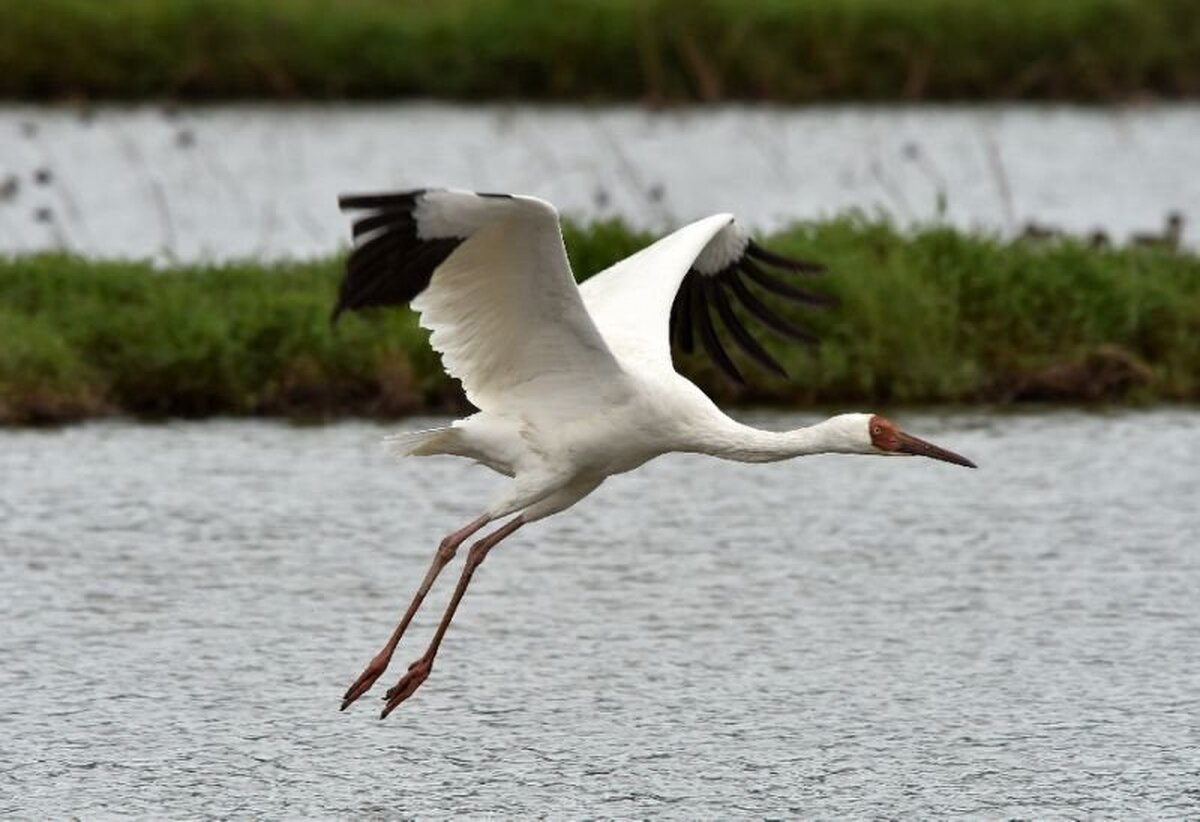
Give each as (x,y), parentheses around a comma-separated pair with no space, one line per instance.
(653,50)
(933,317)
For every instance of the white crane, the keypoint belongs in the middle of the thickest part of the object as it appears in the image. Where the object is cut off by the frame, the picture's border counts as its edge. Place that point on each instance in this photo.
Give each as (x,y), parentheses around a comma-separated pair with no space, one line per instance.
(573,383)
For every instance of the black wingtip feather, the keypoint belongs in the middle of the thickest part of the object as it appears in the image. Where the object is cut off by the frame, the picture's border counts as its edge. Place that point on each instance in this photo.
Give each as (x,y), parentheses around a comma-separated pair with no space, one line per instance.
(756,251)
(375,220)
(397,200)
(744,339)
(768,317)
(783,289)
(691,318)
(390,264)
(684,314)
(708,335)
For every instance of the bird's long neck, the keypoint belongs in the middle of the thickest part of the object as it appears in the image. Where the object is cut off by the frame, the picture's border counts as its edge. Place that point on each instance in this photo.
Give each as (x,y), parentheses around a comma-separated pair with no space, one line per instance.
(731,440)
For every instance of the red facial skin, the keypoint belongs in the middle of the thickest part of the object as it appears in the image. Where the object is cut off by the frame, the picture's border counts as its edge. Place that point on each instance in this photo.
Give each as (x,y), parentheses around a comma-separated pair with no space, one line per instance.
(884,434)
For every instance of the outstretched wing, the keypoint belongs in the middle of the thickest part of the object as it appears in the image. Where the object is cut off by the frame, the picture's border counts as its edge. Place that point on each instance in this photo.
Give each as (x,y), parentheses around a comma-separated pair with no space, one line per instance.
(489,276)
(686,286)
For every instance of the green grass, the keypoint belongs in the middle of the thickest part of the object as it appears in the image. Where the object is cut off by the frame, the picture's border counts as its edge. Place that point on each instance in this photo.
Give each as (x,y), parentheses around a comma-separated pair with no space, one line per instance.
(938,316)
(655,50)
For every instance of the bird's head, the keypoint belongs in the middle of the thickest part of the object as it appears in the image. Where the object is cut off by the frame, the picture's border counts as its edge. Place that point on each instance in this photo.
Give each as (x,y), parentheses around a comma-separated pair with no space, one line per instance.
(887,439)
(875,434)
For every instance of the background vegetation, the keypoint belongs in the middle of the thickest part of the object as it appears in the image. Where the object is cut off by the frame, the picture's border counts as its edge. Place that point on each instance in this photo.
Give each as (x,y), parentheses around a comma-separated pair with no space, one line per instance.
(934,317)
(653,50)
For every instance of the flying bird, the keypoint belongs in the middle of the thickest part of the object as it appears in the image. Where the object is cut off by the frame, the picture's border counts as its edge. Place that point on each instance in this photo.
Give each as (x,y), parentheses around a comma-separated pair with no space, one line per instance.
(574,383)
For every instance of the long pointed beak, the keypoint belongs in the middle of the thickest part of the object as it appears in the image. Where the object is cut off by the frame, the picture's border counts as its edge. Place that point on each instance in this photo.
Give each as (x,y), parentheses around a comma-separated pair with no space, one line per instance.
(915,445)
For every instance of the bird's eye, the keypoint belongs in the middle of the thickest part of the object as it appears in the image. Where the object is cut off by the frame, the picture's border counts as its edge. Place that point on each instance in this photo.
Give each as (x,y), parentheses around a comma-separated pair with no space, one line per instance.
(876,430)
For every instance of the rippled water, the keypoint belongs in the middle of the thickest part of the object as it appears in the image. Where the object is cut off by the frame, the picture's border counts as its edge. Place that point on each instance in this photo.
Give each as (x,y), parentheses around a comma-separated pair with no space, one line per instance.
(183,604)
(262,181)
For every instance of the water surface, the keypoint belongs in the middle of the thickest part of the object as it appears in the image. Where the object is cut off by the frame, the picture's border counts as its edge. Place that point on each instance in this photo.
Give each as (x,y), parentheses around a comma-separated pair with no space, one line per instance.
(183,604)
(262,181)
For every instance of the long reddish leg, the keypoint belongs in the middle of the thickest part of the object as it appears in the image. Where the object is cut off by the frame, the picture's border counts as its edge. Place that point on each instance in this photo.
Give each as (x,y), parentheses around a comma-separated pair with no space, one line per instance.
(418,672)
(445,552)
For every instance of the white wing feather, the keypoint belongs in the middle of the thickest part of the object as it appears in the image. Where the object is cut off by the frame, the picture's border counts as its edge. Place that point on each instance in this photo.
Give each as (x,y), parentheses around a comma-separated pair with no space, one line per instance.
(630,302)
(505,312)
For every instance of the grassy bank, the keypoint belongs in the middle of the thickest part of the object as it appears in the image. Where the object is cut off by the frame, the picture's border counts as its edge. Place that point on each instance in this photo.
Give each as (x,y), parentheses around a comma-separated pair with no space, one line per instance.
(656,50)
(935,317)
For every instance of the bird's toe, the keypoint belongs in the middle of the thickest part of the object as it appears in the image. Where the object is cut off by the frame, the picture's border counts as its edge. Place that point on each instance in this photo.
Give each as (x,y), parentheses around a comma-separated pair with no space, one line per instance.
(417,673)
(365,680)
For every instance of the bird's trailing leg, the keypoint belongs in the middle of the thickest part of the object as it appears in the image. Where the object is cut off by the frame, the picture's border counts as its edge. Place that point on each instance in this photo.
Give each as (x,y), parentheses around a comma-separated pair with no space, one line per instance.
(418,672)
(445,553)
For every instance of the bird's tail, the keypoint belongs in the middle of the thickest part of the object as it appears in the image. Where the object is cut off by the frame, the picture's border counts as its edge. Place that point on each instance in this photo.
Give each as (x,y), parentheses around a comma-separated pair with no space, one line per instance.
(420,443)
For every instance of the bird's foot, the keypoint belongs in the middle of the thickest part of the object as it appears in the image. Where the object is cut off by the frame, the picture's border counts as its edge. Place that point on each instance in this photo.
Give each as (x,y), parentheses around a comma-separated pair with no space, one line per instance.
(366,679)
(418,672)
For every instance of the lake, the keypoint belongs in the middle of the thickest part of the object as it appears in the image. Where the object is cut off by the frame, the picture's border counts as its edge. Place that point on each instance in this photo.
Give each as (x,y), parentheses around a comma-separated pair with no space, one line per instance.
(183,604)
(261,181)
